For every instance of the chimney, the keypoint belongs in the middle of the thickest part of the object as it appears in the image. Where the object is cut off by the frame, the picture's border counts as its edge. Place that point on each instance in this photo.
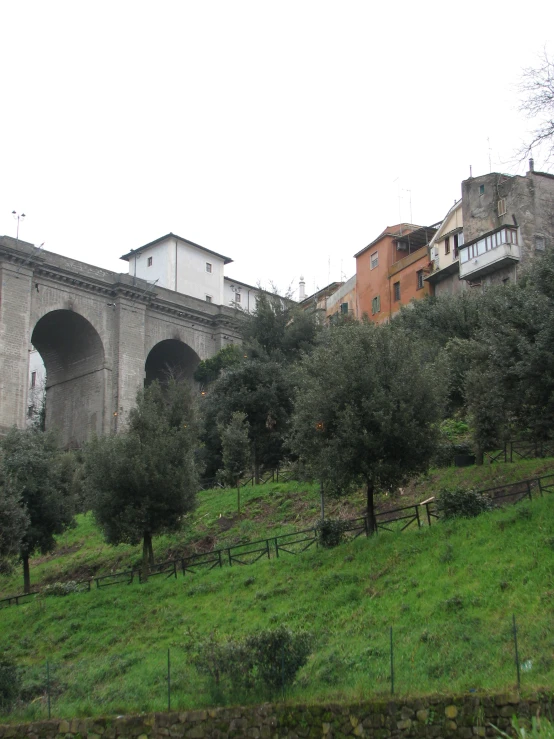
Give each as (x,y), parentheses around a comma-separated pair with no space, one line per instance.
(301,289)
(531,165)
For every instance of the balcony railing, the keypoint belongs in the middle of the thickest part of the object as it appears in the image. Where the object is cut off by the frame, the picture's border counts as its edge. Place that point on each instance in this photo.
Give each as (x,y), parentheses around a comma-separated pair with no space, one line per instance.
(493,251)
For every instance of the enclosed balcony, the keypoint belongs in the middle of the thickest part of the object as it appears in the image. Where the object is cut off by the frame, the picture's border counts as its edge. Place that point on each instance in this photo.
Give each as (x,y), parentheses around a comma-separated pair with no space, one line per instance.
(492,251)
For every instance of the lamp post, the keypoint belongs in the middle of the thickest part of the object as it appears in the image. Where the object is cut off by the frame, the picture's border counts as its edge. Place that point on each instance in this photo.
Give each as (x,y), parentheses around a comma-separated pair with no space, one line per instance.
(19,217)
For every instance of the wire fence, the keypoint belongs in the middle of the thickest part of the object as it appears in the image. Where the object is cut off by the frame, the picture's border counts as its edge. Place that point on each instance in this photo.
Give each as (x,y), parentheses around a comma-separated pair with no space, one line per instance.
(393,520)
(393,661)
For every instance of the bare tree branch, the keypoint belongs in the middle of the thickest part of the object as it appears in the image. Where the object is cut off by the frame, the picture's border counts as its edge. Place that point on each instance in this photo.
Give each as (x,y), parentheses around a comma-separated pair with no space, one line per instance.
(537,104)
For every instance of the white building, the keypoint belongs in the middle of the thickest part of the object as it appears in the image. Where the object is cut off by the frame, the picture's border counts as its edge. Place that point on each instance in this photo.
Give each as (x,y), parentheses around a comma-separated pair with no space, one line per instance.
(181,265)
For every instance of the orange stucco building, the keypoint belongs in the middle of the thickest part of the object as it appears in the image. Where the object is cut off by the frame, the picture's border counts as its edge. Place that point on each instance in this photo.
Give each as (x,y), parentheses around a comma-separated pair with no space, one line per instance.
(390,271)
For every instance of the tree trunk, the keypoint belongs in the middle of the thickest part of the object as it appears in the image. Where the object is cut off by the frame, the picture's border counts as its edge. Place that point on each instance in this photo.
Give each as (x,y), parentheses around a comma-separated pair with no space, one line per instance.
(371,521)
(26,574)
(146,549)
(150,551)
(256,464)
(479,455)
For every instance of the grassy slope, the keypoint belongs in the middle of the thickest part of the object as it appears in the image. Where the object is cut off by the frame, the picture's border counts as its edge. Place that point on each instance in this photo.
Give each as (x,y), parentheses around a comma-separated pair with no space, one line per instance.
(449,592)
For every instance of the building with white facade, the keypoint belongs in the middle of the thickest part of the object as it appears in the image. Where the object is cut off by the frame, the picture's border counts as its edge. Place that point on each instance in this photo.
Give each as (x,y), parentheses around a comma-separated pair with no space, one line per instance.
(185,267)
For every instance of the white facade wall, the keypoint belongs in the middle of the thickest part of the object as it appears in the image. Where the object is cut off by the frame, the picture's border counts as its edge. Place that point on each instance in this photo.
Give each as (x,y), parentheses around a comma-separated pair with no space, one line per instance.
(238,295)
(452,222)
(159,270)
(182,267)
(193,277)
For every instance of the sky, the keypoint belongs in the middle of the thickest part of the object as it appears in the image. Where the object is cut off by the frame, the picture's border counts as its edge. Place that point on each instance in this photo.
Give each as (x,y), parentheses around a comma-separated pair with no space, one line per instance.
(286,135)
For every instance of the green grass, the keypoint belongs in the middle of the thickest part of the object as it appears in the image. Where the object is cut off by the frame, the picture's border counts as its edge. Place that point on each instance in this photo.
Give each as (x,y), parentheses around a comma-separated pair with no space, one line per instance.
(449,592)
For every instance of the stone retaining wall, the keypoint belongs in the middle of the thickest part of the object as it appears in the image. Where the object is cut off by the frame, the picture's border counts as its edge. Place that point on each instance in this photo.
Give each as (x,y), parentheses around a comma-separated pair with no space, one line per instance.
(430,718)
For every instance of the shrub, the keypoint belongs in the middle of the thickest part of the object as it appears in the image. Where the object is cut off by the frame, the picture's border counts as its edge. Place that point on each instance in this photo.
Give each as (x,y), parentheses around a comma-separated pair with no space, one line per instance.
(462,503)
(269,659)
(64,588)
(9,683)
(330,532)
(446,450)
(278,654)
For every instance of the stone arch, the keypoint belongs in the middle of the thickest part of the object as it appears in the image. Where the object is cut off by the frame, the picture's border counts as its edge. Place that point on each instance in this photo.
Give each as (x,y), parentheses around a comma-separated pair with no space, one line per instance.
(170,357)
(74,359)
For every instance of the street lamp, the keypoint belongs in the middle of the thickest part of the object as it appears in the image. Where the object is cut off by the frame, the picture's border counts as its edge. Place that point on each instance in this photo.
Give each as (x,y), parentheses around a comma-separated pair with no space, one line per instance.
(19,217)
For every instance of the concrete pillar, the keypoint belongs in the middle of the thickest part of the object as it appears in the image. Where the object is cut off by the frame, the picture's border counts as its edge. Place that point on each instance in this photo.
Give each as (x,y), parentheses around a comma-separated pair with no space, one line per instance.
(129,359)
(15,300)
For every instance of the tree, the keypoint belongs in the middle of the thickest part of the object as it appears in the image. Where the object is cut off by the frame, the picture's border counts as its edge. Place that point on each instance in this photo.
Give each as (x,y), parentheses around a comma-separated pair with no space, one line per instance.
(365,410)
(13,522)
(236,450)
(35,472)
(236,446)
(209,369)
(537,91)
(143,481)
(278,329)
(261,389)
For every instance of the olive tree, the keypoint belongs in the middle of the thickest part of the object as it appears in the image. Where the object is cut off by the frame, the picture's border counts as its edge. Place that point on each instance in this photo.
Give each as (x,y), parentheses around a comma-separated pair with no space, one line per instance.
(37,475)
(143,481)
(365,410)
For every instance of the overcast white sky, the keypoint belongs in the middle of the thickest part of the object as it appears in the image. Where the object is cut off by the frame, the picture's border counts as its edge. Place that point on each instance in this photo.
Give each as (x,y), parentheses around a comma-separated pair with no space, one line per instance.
(280,134)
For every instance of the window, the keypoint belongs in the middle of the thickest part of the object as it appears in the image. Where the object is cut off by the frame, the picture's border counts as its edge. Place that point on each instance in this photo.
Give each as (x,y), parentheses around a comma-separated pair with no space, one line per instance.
(237,297)
(374,260)
(447,245)
(149,261)
(396,287)
(502,207)
(419,276)
(344,307)
(208,298)
(376,304)
(539,243)
(481,189)
(33,379)
(458,241)
(208,267)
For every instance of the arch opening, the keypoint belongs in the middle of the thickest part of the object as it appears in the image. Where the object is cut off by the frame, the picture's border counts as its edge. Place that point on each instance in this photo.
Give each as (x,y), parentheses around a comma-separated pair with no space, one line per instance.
(171,358)
(73,356)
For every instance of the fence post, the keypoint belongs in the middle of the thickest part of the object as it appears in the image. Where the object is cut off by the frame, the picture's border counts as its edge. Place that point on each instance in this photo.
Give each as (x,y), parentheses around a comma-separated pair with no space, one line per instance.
(283,669)
(48,687)
(391,664)
(428,514)
(168,681)
(516,651)
(417,514)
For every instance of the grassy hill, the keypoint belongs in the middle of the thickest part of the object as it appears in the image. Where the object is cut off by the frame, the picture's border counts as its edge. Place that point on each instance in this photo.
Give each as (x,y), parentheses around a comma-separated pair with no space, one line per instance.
(448,591)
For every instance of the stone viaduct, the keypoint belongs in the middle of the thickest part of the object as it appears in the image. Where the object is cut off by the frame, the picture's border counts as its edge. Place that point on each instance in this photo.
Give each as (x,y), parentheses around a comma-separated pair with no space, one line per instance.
(101,335)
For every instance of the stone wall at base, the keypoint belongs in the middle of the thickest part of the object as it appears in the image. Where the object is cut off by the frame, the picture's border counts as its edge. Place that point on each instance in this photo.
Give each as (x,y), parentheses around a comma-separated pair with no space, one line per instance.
(459,717)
